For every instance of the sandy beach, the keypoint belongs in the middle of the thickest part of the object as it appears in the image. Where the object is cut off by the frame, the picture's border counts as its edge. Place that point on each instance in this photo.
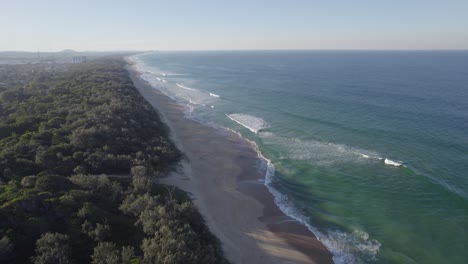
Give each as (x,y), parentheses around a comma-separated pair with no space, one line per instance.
(222,173)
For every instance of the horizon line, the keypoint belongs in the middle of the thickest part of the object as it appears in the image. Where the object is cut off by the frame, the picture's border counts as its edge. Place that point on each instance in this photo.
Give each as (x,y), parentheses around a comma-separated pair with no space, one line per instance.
(189,50)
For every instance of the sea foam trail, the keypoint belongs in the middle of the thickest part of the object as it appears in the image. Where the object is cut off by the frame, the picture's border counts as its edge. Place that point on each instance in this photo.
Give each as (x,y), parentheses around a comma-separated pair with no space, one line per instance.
(185,87)
(317,152)
(341,245)
(324,153)
(345,247)
(182,94)
(252,123)
(392,163)
(186,95)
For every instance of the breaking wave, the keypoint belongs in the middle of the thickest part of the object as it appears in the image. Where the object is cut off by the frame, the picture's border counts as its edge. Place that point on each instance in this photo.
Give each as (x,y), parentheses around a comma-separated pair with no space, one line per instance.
(392,163)
(323,153)
(346,247)
(185,87)
(252,123)
(320,153)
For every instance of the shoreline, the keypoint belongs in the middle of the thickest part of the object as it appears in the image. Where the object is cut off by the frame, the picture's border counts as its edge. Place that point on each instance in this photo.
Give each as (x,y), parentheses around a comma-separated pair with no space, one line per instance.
(222,176)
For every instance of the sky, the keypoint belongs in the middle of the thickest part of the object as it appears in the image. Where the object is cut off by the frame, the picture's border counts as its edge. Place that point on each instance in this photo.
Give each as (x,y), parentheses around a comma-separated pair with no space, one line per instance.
(84,25)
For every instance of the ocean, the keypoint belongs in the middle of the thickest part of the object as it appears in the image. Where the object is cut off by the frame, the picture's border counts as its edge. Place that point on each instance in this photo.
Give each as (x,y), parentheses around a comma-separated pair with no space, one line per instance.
(369,149)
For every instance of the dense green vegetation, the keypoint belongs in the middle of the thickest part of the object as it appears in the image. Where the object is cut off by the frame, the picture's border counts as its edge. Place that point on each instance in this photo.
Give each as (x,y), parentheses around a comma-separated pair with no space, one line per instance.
(60,129)
(89,119)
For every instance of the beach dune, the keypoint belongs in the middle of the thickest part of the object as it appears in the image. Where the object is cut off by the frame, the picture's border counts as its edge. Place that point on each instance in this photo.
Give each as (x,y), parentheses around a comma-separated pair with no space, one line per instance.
(221,174)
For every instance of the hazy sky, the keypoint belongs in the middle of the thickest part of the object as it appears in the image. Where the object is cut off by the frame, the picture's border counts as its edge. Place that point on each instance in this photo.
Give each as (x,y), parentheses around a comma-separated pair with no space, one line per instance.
(51,25)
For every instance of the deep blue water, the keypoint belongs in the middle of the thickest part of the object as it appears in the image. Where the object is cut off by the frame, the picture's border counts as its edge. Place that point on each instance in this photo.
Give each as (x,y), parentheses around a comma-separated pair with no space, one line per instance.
(369,149)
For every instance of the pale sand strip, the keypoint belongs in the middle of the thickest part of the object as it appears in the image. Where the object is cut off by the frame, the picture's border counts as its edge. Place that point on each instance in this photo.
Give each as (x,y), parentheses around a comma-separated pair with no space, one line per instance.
(221,175)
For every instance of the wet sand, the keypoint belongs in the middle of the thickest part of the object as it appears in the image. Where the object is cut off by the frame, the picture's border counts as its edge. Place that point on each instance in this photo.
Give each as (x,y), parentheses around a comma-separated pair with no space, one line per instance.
(221,173)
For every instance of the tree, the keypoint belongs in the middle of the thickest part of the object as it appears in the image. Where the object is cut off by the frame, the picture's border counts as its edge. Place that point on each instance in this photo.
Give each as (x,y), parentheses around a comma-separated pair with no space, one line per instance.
(86,210)
(105,253)
(79,170)
(8,174)
(52,248)
(5,248)
(136,204)
(97,232)
(128,255)
(52,183)
(141,184)
(28,181)
(140,170)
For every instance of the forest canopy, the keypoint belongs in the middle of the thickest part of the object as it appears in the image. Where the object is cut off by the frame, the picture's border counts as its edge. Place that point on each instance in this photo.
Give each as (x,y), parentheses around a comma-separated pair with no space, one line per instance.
(87,119)
(62,129)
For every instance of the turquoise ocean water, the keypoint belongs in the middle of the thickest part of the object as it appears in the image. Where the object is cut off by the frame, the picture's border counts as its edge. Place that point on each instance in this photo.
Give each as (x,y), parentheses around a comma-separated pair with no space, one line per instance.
(368,149)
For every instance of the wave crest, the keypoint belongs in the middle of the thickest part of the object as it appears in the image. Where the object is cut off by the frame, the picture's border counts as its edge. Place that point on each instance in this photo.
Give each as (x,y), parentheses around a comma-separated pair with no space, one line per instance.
(252,123)
(358,244)
(320,153)
(343,246)
(185,87)
(392,163)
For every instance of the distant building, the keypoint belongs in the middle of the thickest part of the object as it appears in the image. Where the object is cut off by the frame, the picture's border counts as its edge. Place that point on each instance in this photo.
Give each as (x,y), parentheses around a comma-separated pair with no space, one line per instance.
(79,59)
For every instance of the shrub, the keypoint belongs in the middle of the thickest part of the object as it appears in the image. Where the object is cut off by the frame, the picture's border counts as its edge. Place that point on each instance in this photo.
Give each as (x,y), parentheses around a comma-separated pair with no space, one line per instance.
(52,183)
(106,253)
(52,248)
(97,232)
(5,247)
(28,181)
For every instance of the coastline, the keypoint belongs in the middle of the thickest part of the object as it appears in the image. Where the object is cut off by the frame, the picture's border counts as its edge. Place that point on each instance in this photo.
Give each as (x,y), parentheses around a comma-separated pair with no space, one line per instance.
(221,173)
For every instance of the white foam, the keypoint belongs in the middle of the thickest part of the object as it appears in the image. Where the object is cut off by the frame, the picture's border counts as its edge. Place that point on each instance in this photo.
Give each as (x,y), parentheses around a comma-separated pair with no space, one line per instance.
(185,95)
(342,247)
(357,243)
(392,163)
(173,74)
(341,254)
(317,152)
(214,95)
(184,87)
(365,156)
(252,123)
(188,96)
(340,244)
